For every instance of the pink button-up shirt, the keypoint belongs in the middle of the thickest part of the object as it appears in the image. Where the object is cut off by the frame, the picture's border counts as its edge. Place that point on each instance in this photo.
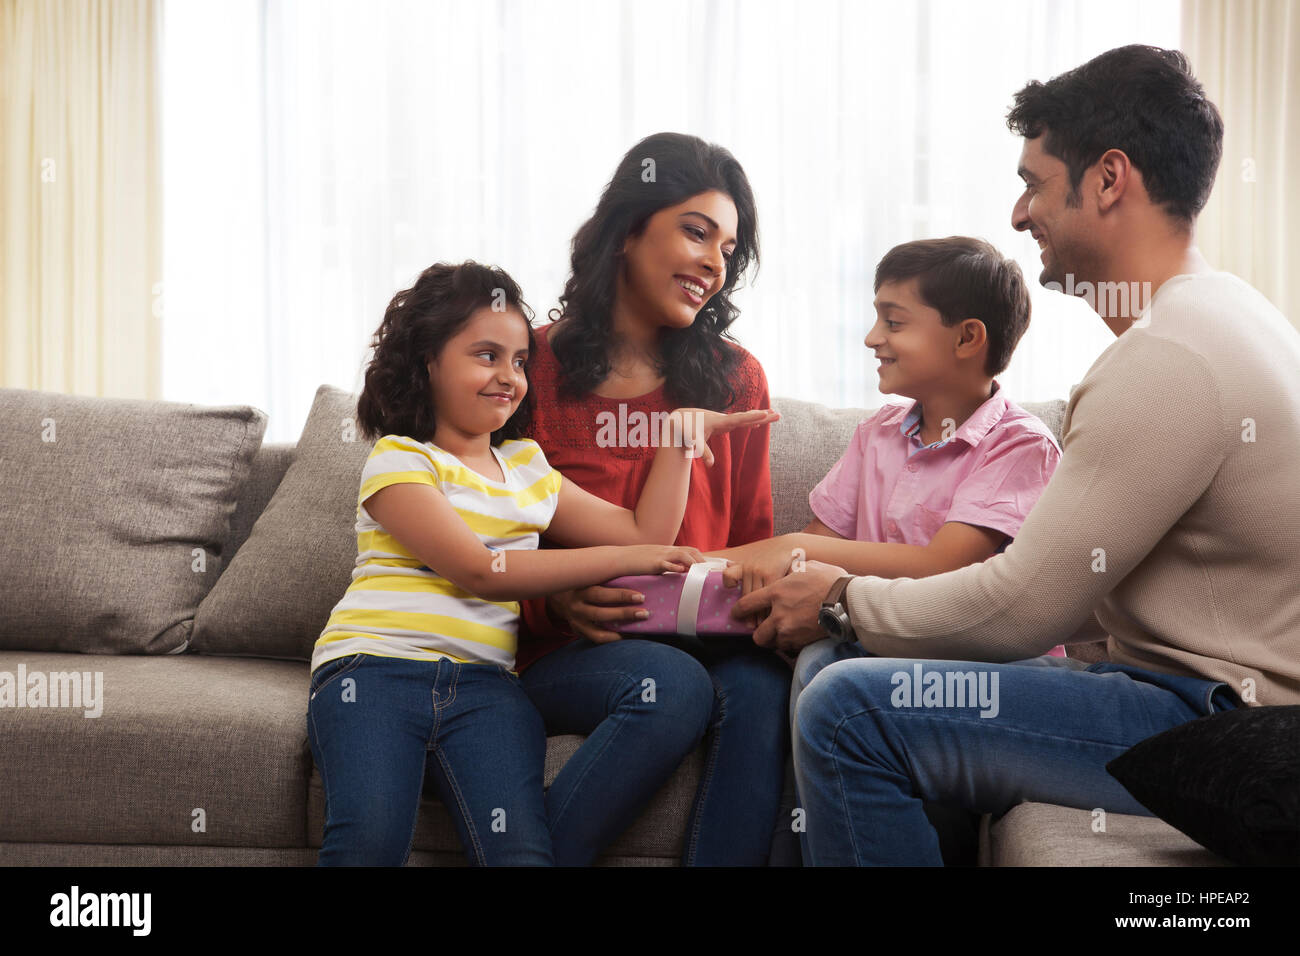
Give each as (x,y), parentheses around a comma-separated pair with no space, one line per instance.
(889,487)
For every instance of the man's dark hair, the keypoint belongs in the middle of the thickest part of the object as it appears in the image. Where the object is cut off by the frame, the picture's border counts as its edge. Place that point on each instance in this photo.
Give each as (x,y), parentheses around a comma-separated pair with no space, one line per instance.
(964,278)
(1139,99)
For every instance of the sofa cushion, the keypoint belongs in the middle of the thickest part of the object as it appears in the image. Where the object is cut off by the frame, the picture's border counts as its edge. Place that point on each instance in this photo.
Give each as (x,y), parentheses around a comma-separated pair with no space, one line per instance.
(269,465)
(276,595)
(804,445)
(174,735)
(115,517)
(1230,781)
(1042,834)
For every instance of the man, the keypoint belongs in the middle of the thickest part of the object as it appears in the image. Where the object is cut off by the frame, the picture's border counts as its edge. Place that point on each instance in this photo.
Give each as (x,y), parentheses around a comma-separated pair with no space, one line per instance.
(1172,523)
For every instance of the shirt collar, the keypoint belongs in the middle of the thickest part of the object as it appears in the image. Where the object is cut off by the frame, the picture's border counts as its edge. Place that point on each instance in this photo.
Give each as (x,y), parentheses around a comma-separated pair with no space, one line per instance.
(972,431)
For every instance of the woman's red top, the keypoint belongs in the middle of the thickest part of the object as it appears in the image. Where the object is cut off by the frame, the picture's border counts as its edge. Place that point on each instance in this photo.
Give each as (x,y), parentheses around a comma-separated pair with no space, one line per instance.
(729,504)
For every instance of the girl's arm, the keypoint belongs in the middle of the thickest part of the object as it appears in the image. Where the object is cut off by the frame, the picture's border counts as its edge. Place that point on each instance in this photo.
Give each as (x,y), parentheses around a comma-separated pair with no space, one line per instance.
(582,518)
(424,522)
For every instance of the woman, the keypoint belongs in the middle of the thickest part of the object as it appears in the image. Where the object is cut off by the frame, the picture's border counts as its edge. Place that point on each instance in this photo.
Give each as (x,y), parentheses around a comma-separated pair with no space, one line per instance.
(642,329)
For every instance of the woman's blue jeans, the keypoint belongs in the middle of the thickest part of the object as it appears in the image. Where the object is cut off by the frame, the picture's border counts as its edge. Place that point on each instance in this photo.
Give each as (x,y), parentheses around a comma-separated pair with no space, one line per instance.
(871,745)
(380,727)
(644,706)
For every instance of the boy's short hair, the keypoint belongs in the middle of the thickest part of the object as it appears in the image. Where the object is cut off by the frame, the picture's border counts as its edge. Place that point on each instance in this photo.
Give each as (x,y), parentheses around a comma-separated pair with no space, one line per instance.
(965,278)
(1140,99)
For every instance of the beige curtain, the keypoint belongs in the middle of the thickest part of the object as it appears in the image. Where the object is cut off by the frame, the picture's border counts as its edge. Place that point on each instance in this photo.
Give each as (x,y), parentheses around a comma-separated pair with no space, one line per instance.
(80,196)
(1247,53)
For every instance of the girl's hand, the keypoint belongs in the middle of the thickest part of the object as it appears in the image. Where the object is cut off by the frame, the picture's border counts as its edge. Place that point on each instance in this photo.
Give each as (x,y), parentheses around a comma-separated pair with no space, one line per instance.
(657,558)
(692,427)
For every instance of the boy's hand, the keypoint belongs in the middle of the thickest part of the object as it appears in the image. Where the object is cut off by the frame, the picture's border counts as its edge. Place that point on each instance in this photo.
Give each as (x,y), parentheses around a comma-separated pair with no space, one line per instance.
(759,564)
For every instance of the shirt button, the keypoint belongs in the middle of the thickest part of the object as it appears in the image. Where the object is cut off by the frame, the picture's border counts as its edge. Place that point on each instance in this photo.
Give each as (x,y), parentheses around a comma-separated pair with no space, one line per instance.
(911,468)
(893,526)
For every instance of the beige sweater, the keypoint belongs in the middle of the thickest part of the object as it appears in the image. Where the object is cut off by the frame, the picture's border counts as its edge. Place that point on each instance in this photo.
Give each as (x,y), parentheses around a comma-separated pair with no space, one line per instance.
(1173,517)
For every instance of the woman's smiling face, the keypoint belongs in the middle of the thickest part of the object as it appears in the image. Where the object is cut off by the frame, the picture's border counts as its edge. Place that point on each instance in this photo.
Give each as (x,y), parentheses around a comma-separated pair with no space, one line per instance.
(679,260)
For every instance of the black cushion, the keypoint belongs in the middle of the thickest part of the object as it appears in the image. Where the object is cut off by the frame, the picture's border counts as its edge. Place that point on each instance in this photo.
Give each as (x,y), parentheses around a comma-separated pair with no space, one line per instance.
(1230,781)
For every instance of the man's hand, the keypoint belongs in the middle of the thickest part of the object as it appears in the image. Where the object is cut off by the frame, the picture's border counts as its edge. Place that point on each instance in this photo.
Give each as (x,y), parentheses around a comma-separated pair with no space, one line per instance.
(791,604)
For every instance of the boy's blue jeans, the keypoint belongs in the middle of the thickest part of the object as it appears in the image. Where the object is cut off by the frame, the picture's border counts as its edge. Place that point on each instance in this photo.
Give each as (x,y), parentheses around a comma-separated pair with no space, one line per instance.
(871,745)
(381,726)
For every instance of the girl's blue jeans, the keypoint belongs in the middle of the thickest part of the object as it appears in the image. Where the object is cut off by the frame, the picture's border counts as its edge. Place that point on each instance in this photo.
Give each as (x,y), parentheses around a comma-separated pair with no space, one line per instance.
(870,748)
(644,707)
(382,727)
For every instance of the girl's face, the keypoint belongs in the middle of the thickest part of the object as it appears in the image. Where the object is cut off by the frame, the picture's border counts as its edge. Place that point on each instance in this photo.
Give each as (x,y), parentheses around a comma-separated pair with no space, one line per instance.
(477,381)
(679,261)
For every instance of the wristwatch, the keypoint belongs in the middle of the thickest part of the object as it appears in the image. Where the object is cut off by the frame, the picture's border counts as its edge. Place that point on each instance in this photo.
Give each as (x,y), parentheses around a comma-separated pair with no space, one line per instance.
(834,614)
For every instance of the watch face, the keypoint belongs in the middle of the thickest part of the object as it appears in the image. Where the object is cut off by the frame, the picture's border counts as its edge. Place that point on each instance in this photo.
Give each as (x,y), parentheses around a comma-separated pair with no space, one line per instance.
(830,623)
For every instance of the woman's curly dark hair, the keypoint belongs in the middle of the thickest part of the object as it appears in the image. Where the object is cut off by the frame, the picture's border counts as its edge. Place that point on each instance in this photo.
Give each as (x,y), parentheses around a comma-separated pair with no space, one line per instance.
(418,322)
(696,364)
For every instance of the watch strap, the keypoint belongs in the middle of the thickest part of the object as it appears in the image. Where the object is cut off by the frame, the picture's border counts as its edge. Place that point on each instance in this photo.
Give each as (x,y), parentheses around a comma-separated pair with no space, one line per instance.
(836,594)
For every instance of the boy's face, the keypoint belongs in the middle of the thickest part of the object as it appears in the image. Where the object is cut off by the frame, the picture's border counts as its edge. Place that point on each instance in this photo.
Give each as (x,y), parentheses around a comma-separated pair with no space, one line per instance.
(917,352)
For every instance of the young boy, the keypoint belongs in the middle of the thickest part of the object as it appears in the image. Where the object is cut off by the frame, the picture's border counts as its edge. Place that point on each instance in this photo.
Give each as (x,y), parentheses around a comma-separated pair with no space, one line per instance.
(948,480)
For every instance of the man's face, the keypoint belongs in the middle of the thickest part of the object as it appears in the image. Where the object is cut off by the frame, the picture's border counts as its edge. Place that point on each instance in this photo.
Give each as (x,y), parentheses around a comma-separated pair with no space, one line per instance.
(1055,218)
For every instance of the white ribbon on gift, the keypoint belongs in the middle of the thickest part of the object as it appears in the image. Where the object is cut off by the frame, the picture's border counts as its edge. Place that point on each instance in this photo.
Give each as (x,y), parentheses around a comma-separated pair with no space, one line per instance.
(688,606)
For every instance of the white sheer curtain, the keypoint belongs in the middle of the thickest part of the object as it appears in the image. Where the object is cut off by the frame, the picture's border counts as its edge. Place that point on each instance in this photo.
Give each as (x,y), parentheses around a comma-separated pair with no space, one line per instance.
(320,154)
(1247,53)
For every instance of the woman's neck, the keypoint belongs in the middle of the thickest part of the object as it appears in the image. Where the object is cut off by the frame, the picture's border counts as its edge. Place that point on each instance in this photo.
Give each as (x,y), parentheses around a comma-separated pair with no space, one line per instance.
(633,355)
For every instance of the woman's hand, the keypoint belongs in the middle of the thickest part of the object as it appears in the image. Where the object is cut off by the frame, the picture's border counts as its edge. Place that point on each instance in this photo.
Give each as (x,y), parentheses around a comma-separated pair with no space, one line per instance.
(692,427)
(589,611)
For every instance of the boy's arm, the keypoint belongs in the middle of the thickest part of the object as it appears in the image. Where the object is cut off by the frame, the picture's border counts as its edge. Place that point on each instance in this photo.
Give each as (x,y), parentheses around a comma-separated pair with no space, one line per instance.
(816,527)
(954,545)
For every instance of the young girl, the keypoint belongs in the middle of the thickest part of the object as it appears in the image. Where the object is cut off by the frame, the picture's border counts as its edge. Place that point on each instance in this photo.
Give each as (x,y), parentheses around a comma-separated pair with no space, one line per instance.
(412,674)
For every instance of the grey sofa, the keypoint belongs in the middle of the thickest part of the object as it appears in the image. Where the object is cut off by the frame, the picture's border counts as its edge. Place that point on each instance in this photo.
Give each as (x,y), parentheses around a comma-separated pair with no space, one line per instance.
(200,754)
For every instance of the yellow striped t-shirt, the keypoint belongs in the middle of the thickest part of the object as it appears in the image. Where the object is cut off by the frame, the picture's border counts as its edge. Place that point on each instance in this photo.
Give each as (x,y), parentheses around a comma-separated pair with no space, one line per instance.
(398,607)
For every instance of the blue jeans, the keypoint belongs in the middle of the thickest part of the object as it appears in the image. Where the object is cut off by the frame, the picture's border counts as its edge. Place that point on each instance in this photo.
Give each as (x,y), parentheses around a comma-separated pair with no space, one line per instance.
(644,707)
(382,727)
(872,743)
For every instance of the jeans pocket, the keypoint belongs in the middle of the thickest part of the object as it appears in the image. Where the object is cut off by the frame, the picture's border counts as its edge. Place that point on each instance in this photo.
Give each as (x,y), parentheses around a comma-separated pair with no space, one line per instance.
(332,669)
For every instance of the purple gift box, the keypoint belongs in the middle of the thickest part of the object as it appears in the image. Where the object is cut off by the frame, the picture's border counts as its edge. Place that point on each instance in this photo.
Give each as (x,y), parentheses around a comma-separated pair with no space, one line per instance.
(696,603)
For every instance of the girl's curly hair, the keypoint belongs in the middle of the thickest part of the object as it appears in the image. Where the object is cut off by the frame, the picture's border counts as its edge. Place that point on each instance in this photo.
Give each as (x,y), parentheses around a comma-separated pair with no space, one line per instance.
(397,398)
(696,364)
